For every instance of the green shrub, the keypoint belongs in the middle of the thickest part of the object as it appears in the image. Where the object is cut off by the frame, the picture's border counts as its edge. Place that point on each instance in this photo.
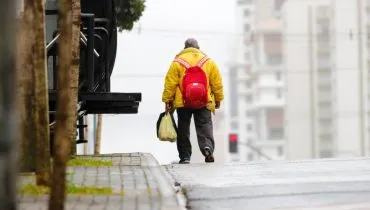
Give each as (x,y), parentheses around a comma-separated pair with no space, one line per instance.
(128,12)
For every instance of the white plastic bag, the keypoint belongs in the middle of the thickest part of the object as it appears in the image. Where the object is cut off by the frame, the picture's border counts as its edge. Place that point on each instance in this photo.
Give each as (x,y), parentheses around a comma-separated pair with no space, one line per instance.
(167,131)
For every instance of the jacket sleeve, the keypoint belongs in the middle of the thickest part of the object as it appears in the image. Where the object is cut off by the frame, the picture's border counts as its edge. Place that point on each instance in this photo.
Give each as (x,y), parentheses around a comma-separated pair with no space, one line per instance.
(171,83)
(215,81)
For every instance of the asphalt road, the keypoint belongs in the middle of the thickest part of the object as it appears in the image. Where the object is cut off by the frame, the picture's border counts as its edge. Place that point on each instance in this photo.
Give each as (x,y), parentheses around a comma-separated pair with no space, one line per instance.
(313,184)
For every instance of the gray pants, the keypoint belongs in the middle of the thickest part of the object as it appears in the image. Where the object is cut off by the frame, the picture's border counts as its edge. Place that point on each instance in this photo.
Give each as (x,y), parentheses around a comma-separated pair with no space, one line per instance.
(203,126)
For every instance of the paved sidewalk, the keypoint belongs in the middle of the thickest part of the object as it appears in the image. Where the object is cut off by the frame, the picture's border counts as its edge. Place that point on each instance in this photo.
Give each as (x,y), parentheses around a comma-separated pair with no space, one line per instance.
(137,180)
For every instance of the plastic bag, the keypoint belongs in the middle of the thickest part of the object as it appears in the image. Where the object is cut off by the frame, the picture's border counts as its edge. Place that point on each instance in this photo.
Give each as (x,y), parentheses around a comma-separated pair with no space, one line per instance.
(166,127)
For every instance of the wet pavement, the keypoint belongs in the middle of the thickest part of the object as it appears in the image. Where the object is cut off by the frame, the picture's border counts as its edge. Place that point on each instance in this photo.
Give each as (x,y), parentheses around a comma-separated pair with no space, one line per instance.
(136,179)
(312,184)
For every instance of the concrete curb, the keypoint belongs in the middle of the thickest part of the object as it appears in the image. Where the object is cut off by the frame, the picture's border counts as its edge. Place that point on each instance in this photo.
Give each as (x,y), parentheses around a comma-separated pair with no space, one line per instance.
(180,196)
(170,194)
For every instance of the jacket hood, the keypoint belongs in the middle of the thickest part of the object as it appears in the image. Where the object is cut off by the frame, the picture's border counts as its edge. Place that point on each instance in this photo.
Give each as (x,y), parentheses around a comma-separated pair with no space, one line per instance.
(189,50)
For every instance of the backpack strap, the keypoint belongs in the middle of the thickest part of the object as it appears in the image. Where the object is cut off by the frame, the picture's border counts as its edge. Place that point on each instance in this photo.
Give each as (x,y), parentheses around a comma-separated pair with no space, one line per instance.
(202,61)
(182,62)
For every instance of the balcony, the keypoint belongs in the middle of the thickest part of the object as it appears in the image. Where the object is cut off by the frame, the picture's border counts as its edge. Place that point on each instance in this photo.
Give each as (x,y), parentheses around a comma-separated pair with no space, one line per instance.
(324,114)
(245,91)
(324,96)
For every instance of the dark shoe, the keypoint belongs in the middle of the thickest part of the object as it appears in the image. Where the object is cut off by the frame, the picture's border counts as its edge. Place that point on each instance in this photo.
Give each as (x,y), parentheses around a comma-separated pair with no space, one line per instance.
(209,156)
(184,161)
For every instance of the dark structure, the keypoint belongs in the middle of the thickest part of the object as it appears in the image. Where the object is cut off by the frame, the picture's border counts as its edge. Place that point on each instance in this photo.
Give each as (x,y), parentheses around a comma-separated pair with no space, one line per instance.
(233,143)
(98,46)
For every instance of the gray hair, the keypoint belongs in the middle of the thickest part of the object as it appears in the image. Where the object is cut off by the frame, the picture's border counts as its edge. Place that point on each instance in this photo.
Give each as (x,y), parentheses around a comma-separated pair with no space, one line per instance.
(191,42)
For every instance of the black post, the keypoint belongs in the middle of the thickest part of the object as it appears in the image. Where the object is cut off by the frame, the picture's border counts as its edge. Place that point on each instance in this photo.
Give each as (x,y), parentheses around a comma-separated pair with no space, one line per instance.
(55,57)
(81,126)
(8,118)
(90,49)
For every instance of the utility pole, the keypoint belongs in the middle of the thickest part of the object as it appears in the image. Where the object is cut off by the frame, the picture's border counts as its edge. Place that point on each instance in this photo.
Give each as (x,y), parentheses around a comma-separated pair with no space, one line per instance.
(98,135)
(8,124)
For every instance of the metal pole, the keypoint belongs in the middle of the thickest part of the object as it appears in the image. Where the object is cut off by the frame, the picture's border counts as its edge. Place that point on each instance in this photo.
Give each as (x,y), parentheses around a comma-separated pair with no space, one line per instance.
(7,105)
(90,50)
(94,132)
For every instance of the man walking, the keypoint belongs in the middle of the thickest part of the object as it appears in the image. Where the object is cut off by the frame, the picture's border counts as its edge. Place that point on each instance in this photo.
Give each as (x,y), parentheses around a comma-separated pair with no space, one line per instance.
(193,86)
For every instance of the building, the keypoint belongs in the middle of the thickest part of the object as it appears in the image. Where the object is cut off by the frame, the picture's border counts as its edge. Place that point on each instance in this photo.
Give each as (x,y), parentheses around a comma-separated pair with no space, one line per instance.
(257,82)
(327,81)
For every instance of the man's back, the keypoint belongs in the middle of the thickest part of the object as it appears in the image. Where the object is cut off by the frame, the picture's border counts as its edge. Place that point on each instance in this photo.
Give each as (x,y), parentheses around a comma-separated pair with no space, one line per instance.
(205,88)
(173,81)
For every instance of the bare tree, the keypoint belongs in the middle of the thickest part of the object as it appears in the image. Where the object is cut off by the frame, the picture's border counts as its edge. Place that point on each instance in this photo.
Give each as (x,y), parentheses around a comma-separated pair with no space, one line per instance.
(63,114)
(8,128)
(41,101)
(98,135)
(25,90)
(75,69)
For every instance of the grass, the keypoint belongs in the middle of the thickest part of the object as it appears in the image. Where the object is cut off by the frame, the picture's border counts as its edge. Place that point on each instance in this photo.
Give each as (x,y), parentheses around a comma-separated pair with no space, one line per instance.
(32,189)
(88,162)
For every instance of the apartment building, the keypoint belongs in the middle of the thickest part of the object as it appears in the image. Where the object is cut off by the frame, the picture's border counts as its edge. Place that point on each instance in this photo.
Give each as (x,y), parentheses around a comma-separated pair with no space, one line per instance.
(327,84)
(257,82)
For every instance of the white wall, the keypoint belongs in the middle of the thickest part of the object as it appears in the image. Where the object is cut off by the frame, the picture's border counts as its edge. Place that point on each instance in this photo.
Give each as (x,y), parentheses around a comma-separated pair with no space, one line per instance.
(297,97)
(347,78)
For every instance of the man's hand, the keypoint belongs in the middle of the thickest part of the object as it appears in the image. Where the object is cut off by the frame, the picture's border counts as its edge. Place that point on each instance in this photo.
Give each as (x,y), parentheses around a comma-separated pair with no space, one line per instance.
(169,106)
(218,104)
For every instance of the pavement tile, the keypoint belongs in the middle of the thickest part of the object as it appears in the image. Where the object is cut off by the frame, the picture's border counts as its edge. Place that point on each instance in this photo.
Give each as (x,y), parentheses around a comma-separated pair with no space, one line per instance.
(131,173)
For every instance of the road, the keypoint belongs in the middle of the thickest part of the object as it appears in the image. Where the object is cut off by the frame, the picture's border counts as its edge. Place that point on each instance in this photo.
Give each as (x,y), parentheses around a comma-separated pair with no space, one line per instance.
(312,184)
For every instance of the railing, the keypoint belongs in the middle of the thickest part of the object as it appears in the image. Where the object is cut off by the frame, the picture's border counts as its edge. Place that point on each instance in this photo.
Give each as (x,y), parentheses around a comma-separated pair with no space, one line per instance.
(257,150)
(88,43)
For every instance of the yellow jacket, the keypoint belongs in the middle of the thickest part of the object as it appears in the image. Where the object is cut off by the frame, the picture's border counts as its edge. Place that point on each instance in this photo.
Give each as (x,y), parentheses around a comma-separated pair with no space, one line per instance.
(173,81)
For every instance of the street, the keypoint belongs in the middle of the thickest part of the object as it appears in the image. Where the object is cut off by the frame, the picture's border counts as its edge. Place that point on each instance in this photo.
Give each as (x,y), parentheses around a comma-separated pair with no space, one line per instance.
(310,184)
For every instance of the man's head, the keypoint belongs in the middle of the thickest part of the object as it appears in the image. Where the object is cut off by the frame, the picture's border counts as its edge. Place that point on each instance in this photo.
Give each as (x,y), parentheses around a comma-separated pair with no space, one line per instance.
(191,42)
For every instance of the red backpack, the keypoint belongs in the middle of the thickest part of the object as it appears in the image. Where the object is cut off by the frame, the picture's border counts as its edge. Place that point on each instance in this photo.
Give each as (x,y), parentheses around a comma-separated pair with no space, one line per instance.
(194,84)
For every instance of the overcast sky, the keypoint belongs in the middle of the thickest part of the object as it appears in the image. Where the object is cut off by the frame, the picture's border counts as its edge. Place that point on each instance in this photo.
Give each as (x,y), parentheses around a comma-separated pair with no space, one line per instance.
(143,59)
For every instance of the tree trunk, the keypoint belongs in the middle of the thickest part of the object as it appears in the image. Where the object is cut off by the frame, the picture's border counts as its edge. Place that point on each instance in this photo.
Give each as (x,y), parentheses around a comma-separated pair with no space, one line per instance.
(25,90)
(75,69)
(63,114)
(98,135)
(8,113)
(41,109)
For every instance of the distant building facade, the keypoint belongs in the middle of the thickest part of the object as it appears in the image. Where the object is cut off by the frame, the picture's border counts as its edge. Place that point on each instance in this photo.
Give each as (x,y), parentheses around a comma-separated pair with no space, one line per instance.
(326,56)
(257,82)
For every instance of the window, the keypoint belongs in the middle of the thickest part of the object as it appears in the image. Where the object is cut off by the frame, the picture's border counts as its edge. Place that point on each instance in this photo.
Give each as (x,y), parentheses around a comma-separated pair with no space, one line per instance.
(325,105)
(279,93)
(275,133)
(249,99)
(247,27)
(326,138)
(326,153)
(279,4)
(250,114)
(249,127)
(278,76)
(274,59)
(247,56)
(324,88)
(280,151)
(250,157)
(248,84)
(326,121)
(247,12)
(234,125)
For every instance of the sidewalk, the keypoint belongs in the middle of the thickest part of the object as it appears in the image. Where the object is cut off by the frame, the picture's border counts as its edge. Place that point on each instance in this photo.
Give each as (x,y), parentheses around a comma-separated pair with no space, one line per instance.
(136,181)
